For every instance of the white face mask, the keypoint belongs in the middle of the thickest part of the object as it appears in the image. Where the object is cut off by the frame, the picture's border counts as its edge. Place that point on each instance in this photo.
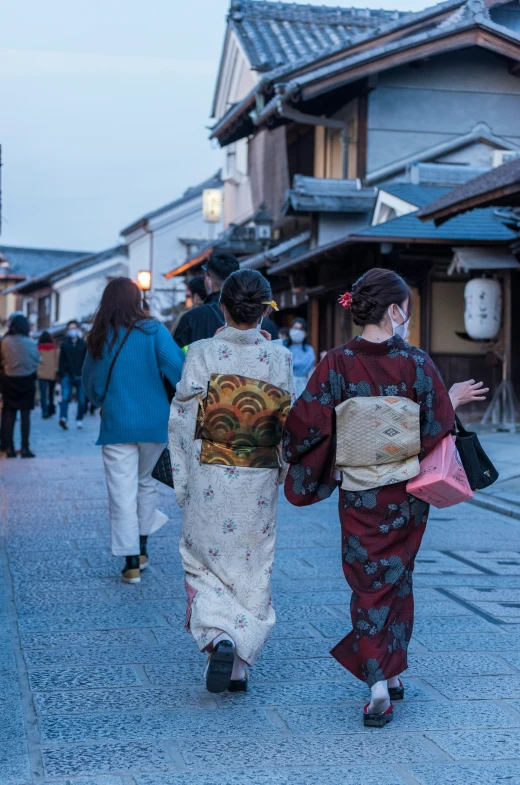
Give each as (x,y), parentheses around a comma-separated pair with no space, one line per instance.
(297,335)
(402,330)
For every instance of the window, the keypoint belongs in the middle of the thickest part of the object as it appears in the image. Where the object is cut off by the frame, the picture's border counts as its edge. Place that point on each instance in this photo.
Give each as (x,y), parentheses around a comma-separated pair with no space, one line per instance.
(44,312)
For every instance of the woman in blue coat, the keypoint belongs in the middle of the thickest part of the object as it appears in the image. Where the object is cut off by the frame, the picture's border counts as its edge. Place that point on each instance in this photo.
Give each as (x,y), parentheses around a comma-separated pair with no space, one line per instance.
(129,356)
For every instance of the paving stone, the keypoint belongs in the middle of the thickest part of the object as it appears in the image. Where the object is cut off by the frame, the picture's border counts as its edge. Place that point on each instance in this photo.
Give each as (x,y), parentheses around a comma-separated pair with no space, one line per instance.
(63,640)
(98,758)
(158,725)
(305,647)
(487,594)
(481,642)
(6,656)
(446,774)
(101,701)
(457,625)
(83,678)
(14,763)
(475,745)
(308,694)
(448,664)
(412,717)
(355,775)
(99,617)
(324,750)
(11,717)
(106,656)
(109,780)
(477,687)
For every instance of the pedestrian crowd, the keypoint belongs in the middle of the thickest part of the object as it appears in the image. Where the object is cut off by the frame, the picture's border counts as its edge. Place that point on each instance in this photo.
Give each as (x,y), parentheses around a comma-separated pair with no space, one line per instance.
(228,410)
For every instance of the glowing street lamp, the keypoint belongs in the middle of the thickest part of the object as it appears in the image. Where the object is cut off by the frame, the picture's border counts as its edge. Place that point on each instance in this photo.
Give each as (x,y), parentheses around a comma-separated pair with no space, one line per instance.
(144,279)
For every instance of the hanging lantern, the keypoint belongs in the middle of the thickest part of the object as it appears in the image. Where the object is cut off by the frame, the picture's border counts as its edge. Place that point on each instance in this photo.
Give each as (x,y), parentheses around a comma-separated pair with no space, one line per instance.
(483,313)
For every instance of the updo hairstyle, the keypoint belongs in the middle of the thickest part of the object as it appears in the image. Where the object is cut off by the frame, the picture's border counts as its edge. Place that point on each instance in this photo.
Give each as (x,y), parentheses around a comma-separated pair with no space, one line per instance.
(245,293)
(374,293)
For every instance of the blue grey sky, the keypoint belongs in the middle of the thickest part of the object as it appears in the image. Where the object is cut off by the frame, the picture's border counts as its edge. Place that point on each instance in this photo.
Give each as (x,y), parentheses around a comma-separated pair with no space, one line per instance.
(104,108)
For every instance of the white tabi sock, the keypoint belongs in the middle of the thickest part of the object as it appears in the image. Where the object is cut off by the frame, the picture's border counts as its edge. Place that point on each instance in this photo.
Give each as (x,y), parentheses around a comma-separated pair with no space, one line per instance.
(239,669)
(380,698)
(395,681)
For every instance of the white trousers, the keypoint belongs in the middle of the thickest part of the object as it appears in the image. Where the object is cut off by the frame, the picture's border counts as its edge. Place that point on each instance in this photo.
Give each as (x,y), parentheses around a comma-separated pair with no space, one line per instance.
(132,494)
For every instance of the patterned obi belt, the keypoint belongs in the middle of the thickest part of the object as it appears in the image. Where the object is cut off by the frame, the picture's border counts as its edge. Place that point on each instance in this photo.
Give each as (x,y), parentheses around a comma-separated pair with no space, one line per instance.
(378,441)
(241,422)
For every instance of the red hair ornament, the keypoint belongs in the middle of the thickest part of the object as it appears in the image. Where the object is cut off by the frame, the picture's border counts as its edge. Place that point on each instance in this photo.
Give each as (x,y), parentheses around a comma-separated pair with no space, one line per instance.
(346,300)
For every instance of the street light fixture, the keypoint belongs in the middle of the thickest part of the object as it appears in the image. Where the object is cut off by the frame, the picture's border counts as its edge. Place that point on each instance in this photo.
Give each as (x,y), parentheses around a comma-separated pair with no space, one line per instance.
(144,279)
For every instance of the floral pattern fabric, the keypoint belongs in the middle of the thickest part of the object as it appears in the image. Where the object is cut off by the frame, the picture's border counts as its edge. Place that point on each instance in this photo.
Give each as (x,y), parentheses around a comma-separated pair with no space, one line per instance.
(382,528)
(228,539)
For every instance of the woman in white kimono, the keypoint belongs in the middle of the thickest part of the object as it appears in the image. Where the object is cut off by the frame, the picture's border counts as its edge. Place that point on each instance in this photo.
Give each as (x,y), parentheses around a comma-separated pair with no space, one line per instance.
(225,429)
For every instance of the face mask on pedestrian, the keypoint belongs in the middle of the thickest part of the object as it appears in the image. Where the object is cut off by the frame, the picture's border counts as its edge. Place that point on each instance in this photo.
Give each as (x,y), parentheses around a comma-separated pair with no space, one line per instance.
(73,333)
(208,285)
(403,329)
(297,335)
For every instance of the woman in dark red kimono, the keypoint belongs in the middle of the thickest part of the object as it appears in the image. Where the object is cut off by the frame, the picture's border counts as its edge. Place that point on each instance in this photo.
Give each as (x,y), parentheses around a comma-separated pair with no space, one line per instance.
(382,528)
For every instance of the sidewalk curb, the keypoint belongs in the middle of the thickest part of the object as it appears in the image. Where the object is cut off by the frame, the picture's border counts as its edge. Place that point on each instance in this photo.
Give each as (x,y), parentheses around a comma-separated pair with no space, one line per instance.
(481,500)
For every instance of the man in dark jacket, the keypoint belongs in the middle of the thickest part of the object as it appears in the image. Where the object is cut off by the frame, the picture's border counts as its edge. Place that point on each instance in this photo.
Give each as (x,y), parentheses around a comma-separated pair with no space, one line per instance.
(204,320)
(72,355)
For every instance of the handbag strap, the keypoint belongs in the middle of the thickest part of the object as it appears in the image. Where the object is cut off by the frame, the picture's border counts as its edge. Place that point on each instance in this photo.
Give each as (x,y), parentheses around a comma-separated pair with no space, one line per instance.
(460,430)
(114,358)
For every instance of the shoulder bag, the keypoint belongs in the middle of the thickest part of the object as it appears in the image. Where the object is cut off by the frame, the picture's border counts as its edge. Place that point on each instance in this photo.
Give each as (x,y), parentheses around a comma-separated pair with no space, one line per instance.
(479,470)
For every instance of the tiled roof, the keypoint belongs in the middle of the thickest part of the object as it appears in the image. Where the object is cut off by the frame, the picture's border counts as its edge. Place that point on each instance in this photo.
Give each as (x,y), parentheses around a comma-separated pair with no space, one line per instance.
(327,195)
(503,179)
(190,193)
(418,195)
(67,267)
(276,34)
(474,226)
(33,262)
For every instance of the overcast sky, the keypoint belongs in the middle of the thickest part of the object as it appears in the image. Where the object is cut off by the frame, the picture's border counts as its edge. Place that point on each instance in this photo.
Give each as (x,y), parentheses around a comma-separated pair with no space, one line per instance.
(103,108)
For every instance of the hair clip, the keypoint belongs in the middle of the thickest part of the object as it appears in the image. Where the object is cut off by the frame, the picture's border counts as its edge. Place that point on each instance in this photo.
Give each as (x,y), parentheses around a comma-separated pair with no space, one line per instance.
(272,304)
(346,300)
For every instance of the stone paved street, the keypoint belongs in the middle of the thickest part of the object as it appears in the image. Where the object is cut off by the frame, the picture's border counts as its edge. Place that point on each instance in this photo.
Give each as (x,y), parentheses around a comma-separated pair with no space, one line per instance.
(100,685)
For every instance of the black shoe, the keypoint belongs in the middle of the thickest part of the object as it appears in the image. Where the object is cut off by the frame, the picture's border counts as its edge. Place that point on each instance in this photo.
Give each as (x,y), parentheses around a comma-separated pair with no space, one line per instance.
(397,693)
(220,667)
(143,543)
(26,453)
(131,572)
(239,685)
(63,424)
(11,453)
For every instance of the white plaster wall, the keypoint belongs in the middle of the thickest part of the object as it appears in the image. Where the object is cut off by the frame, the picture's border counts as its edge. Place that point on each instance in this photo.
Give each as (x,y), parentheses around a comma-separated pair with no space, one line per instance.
(81,292)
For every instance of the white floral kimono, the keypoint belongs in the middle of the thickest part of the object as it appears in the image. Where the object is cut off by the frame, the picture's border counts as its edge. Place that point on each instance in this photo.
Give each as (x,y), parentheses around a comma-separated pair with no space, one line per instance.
(228,539)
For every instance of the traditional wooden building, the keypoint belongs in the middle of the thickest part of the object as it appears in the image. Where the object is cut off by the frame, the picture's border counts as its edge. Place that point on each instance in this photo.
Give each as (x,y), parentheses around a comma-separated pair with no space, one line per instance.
(357,136)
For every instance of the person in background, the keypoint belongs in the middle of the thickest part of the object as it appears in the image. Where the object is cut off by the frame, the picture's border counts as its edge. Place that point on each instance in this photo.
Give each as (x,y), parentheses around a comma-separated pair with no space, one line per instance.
(204,321)
(130,355)
(226,476)
(304,357)
(283,335)
(47,372)
(20,360)
(196,289)
(72,356)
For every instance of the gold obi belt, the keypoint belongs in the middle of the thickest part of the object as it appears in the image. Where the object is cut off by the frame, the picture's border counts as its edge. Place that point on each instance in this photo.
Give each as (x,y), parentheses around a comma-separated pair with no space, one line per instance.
(378,441)
(241,422)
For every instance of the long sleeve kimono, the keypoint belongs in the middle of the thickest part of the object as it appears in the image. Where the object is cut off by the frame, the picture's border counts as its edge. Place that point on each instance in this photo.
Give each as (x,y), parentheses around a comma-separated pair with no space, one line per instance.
(228,538)
(382,528)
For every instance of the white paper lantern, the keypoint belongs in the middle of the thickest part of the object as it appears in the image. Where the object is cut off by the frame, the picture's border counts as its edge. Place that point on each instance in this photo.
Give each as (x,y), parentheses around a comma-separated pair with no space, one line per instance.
(483,313)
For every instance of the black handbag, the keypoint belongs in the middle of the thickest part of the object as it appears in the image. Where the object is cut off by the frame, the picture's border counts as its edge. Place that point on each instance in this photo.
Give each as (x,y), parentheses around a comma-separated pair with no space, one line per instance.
(479,470)
(162,470)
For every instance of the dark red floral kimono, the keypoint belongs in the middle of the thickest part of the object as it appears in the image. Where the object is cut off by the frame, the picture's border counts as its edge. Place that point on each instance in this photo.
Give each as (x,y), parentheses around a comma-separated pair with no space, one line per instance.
(382,528)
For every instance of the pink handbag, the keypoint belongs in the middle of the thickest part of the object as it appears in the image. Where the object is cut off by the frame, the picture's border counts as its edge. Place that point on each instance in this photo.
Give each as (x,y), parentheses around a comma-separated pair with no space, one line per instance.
(442,480)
